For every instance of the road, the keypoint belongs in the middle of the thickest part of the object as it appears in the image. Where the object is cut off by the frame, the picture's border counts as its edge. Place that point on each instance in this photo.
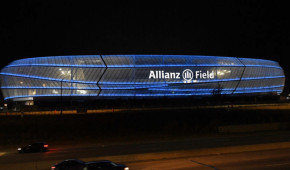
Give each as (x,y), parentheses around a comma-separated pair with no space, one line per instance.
(268,159)
(265,159)
(265,150)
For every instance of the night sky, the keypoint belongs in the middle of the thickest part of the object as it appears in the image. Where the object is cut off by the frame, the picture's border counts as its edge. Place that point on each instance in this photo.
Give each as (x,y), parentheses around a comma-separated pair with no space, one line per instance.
(251,29)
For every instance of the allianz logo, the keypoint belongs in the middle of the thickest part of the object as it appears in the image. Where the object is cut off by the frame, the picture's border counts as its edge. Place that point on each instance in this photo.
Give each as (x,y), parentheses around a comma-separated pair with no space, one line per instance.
(187,74)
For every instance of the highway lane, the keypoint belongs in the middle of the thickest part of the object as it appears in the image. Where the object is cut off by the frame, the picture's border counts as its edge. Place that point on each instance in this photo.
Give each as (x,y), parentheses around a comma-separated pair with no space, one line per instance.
(93,150)
(266,160)
(10,158)
(220,140)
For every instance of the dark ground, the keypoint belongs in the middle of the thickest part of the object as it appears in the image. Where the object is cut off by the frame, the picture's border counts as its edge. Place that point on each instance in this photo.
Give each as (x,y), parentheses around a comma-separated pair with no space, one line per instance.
(129,125)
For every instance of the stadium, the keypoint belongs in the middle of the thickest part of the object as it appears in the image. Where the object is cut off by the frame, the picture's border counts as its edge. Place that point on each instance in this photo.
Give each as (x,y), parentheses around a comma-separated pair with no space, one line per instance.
(139,76)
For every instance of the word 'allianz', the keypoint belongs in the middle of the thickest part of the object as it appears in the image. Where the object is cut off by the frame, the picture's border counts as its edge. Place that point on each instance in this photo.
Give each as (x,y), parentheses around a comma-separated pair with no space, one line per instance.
(186,74)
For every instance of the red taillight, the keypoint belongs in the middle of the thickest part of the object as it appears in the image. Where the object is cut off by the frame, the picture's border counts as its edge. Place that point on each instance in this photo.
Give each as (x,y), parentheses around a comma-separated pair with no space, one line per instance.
(53,167)
(46,146)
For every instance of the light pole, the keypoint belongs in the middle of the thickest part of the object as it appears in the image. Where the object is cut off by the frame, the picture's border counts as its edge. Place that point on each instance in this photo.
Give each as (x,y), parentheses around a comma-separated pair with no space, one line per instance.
(61,82)
(61,97)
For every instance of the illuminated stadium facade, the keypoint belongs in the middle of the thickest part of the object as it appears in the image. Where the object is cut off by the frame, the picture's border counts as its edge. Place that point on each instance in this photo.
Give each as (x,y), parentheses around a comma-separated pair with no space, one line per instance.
(139,76)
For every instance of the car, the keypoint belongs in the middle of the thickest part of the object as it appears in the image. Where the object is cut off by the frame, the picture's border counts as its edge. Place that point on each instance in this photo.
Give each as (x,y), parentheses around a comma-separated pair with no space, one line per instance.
(69,164)
(105,165)
(34,147)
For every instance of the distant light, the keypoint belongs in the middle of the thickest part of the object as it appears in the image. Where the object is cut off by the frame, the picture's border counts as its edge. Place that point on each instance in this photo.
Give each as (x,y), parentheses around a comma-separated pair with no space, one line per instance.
(82,91)
(54,91)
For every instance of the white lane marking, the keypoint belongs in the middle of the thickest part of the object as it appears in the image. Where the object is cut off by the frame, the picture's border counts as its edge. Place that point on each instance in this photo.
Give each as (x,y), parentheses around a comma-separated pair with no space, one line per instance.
(279,164)
(210,166)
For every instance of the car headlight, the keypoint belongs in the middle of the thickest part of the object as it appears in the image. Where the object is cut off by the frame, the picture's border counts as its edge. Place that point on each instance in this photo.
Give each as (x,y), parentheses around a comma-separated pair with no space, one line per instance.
(127,168)
(19,149)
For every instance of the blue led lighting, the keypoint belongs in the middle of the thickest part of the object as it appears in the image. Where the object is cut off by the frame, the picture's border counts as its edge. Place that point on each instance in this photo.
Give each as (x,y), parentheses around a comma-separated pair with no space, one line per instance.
(56,65)
(258,91)
(49,95)
(222,89)
(58,87)
(48,78)
(146,95)
(136,66)
(111,85)
(259,78)
(133,88)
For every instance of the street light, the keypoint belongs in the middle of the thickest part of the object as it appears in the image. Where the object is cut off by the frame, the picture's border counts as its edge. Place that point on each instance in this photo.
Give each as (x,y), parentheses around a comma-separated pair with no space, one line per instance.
(61,97)
(71,76)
